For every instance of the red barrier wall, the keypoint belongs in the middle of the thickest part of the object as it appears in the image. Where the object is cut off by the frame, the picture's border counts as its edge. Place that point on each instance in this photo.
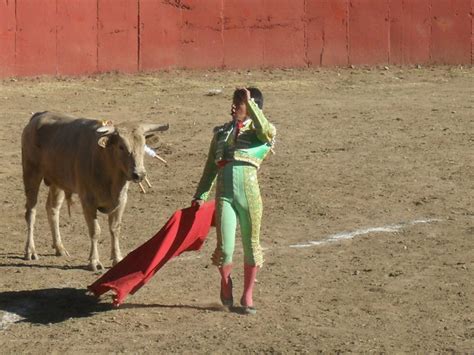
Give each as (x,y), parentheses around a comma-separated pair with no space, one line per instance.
(89,36)
(243,22)
(117,37)
(410,31)
(7,38)
(201,34)
(284,33)
(160,36)
(451,43)
(327,32)
(35,38)
(77,36)
(369,31)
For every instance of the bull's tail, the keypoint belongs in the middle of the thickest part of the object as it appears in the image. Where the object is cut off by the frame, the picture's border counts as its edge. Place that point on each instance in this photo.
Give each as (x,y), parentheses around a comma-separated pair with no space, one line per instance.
(69,202)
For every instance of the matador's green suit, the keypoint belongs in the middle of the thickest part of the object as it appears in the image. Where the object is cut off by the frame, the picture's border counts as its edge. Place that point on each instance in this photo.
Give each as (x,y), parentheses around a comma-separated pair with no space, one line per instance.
(234,157)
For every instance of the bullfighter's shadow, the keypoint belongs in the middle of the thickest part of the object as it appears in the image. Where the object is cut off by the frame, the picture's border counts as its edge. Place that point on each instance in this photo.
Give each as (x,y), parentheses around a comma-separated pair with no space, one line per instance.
(51,305)
(214,307)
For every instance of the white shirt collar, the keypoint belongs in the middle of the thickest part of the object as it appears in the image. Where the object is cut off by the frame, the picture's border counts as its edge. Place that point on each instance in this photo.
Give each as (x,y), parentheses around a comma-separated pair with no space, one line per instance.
(244,121)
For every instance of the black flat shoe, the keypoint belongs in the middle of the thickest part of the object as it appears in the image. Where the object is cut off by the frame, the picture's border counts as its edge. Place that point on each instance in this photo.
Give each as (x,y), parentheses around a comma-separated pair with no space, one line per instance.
(249,310)
(227,302)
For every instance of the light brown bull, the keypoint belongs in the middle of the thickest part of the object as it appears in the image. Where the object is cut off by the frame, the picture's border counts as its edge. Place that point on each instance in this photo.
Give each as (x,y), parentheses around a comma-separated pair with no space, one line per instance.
(77,155)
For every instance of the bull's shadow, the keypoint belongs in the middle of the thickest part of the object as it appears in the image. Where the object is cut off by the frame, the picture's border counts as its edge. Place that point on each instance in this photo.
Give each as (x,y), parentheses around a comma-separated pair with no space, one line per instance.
(10,260)
(51,305)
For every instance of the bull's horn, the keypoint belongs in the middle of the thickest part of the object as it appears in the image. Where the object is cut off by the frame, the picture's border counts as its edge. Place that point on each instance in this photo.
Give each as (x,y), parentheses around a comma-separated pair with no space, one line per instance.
(150,128)
(106,130)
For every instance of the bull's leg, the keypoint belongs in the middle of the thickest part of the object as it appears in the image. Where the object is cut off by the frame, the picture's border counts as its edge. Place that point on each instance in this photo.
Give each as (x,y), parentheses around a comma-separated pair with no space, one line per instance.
(90,214)
(53,206)
(115,221)
(31,180)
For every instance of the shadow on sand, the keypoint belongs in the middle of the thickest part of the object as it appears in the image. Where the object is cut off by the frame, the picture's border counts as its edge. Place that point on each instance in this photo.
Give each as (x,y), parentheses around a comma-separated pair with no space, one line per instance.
(14,260)
(210,308)
(56,305)
(45,266)
(51,305)
(213,307)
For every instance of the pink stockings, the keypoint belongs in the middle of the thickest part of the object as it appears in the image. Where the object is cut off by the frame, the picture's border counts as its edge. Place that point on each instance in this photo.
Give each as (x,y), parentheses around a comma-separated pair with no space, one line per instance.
(226,285)
(250,273)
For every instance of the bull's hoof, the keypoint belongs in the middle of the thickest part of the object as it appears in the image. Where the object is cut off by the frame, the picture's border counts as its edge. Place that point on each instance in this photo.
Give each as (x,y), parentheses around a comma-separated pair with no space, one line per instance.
(116,261)
(96,266)
(31,256)
(61,252)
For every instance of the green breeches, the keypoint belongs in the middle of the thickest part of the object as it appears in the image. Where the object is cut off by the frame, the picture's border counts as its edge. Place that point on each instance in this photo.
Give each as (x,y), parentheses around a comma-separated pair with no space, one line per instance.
(238,200)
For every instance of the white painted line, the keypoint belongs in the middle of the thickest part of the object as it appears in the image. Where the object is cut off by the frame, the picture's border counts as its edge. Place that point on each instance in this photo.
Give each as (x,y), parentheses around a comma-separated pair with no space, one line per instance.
(302,245)
(188,257)
(349,235)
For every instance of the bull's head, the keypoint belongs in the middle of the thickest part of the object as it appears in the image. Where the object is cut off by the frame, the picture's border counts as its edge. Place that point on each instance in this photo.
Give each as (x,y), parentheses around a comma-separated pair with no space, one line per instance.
(126,143)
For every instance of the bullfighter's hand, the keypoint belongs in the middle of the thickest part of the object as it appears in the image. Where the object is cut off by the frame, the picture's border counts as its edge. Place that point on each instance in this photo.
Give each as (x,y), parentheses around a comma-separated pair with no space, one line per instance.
(197,202)
(247,94)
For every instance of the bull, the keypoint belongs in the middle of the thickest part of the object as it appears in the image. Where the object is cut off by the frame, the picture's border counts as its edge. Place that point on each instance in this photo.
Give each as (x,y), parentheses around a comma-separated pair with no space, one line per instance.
(92,158)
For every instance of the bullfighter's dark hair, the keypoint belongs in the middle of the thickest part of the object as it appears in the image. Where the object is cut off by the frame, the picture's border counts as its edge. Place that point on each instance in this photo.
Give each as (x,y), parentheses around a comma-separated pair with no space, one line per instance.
(255,94)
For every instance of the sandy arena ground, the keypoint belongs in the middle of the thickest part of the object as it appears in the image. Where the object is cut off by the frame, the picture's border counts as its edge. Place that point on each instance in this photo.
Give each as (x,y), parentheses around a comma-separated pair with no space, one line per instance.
(385,156)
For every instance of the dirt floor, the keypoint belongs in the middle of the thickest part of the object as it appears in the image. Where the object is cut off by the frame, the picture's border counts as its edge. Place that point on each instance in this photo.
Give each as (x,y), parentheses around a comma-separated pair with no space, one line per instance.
(383,155)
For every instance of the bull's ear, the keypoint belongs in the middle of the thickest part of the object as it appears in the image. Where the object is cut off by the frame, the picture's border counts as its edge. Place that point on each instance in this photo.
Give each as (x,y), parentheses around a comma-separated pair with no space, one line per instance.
(150,129)
(103,141)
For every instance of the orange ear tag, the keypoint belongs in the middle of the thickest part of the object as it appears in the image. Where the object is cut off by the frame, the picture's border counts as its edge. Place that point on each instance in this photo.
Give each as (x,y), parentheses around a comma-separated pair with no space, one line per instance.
(106,123)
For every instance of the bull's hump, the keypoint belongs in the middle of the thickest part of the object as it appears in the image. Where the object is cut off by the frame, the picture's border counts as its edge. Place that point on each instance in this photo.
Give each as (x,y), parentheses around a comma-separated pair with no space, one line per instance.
(74,135)
(59,117)
(50,117)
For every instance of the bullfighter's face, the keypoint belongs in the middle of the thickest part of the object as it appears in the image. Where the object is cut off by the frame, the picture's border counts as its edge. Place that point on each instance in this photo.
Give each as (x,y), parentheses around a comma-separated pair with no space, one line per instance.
(239,110)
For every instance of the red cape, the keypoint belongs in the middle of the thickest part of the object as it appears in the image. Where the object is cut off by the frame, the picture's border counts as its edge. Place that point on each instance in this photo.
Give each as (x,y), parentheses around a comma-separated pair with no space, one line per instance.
(186,230)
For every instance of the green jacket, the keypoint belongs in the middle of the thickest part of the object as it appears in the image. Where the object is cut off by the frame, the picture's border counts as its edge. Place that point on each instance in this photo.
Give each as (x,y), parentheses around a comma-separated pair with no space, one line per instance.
(252,145)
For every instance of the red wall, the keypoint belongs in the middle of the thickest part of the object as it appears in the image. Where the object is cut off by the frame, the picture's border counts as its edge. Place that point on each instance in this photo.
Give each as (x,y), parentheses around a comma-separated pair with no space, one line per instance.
(88,36)
(410,29)
(76,36)
(7,38)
